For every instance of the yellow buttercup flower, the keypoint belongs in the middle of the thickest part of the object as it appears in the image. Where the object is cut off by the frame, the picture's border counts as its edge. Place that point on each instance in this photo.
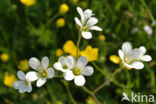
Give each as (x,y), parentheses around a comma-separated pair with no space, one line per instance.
(9,79)
(23,65)
(64,8)
(59,52)
(90,53)
(115,59)
(69,47)
(102,37)
(28,2)
(4,57)
(60,22)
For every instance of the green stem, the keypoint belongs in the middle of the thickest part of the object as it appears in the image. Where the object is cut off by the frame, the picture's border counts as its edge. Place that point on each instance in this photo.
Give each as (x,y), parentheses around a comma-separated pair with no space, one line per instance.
(91,94)
(108,81)
(68,92)
(148,10)
(78,43)
(51,20)
(50,92)
(99,69)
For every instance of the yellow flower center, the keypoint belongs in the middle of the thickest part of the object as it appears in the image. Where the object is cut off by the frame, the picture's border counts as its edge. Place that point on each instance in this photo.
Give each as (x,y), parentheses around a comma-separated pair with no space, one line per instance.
(77,71)
(85,28)
(65,67)
(43,74)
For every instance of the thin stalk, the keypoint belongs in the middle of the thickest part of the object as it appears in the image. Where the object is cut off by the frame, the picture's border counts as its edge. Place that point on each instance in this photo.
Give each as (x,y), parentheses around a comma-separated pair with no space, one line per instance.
(78,43)
(148,10)
(108,81)
(68,92)
(91,94)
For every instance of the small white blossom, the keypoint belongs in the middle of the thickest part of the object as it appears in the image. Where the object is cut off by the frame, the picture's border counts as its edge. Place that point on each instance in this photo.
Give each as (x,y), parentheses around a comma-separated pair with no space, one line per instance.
(134,30)
(148,30)
(132,58)
(41,73)
(64,64)
(23,84)
(77,70)
(87,22)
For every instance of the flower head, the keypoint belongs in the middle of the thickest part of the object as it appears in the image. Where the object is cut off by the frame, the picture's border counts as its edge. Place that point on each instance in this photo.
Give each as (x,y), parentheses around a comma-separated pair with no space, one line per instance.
(4,57)
(9,79)
(76,69)
(23,84)
(90,53)
(23,65)
(64,64)
(101,37)
(41,73)
(115,59)
(28,2)
(148,30)
(132,58)
(87,22)
(59,52)
(69,47)
(64,8)
(60,22)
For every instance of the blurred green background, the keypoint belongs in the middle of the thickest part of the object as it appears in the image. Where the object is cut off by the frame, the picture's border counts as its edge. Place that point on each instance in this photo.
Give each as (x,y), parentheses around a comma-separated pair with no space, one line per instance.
(30,28)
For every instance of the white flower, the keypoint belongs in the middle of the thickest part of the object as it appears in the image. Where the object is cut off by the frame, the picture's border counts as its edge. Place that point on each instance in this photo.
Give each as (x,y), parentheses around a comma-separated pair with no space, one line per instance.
(148,30)
(41,73)
(87,23)
(64,64)
(23,84)
(78,70)
(134,30)
(132,58)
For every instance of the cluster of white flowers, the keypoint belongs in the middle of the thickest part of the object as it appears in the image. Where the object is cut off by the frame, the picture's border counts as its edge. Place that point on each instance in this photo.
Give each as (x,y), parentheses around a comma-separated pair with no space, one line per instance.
(132,58)
(41,73)
(73,69)
(87,22)
(68,65)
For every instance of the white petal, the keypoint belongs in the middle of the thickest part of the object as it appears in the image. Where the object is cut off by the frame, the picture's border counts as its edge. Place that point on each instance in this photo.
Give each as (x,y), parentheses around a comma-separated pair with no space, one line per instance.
(50,73)
(88,70)
(137,65)
(79,80)
(78,21)
(87,35)
(148,29)
(22,88)
(21,75)
(142,50)
(92,21)
(41,82)
(134,54)
(82,61)
(68,75)
(71,62)
(17,84)
(29,88)
(81,14)
(126,47)
(57,66)
(62,60)
(88,12)
(34,63)
(146,58)
(121,54)
(32,75)
(45,62)
(95,28)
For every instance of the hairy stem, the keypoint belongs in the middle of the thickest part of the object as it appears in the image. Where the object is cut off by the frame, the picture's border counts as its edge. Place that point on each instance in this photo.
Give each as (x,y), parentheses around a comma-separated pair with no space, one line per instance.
(68,92)
(108,81)
(78,43)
